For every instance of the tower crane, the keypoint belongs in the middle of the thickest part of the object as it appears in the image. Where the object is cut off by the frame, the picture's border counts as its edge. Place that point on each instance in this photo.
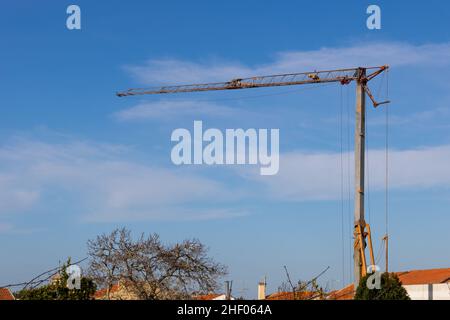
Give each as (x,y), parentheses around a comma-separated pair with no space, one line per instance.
(360,75)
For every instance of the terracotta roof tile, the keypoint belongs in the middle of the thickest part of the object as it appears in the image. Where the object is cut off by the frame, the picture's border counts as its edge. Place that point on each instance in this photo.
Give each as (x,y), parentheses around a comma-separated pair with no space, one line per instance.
(346,293)
(412,277)
(290,296)
(99,294)
(5,294)
(424,276)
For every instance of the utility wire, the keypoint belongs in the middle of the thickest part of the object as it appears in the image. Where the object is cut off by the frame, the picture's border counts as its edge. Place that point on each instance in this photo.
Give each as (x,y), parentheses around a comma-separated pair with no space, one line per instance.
(35,282)
(387,172)
(313,279)
(368,169)
(380,250)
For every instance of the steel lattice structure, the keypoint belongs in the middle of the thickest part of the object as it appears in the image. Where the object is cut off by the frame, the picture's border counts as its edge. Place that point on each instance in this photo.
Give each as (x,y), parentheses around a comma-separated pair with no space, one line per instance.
(343,76)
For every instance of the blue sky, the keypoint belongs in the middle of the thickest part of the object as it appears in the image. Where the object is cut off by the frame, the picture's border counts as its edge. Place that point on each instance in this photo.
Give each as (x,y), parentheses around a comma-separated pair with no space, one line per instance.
(76,161)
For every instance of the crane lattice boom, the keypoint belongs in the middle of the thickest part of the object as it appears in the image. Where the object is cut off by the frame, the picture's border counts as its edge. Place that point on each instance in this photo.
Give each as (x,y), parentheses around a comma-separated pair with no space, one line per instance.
(344,76)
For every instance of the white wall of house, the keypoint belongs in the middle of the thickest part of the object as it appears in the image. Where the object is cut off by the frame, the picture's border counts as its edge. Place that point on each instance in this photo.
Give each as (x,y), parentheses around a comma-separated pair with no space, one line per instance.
(439,291)
(222,297)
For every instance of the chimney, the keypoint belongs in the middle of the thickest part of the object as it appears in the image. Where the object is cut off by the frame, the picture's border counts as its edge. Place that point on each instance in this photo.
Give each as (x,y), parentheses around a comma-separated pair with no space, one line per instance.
(262,290)
(228,286)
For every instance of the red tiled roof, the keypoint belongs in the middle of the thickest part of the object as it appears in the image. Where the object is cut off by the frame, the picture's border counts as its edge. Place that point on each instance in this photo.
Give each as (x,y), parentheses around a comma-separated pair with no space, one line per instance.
(99,294)
(290,296)
(424,276)
(412,277)
(5,294)
(346,293)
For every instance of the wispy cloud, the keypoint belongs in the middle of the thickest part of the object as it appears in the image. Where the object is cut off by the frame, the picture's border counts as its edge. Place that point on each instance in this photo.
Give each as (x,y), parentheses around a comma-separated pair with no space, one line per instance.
(103,184)
(172,71)
(165,109)
(316,176)
(164,71)
(5,227)
(167,213)
(431,117)
(10,229)
(396,54)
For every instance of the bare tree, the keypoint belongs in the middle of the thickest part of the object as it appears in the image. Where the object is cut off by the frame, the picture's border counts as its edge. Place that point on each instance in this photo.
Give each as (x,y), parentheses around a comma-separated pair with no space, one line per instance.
(105,254)
(150,269)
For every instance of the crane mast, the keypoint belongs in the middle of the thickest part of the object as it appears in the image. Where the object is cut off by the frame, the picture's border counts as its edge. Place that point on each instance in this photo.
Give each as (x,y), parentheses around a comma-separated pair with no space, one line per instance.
(361,75)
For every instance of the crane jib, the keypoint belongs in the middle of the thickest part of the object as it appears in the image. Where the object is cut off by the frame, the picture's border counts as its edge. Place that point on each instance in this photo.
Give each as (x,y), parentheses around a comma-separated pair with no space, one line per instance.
(343,76)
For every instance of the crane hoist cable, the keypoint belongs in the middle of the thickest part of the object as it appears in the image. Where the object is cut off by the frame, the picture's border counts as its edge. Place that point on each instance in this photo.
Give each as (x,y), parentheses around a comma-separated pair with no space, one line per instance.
(387,177)
(341,137)
(349,192)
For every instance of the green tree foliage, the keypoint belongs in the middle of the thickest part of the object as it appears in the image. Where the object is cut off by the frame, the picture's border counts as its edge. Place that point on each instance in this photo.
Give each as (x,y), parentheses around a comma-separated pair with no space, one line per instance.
(57,289)
(391,289)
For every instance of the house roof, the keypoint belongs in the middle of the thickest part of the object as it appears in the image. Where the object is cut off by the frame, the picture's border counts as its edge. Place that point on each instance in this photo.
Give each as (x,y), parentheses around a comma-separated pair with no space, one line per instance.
(99,294)
(5,294)
(424,276)
(412,277)
(346,293)
(287,295)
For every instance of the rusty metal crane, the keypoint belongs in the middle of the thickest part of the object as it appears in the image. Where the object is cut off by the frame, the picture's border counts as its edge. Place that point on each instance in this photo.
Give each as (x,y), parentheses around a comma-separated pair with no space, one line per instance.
(361,75)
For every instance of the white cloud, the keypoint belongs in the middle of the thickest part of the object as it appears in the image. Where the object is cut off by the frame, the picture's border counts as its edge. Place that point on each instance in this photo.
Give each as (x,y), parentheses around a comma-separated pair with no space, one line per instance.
(8,228)
(5,227)
(103,183)
(14,195)
(103,186)
(171,71)
(167,213)
(395,54)
(316,176)
(431,117)
(165,109)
